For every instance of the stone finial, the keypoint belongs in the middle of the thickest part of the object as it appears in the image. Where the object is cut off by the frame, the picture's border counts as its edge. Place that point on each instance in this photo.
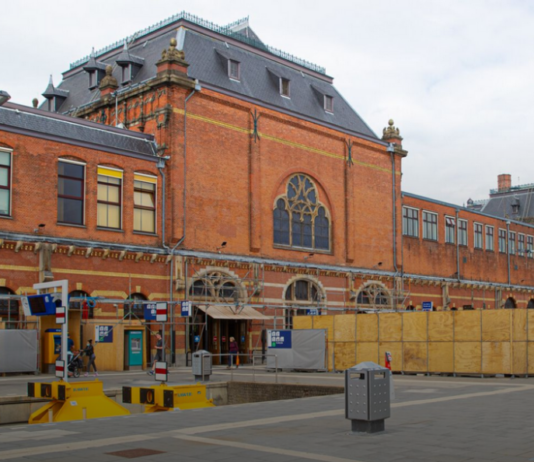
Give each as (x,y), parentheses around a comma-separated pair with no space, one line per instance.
(35,102)
(172,54)
(391,132)
(109,81)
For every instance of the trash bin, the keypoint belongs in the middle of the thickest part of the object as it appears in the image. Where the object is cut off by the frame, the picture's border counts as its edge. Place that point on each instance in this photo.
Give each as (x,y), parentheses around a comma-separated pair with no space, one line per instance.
(367,397)
(202,364)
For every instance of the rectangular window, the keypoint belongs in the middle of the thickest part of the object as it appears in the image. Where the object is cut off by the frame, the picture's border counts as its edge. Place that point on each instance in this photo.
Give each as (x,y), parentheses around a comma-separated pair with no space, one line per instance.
(511,244)
(430,226)
(410,222)
(521,244)
(478,236)
(462,232)
(502,240)
(284,87)
(530,246)
(489,238)
(70,192)
(328,103)
(144,203)
(5,183)
(109,198)
(234,69)
(450,230)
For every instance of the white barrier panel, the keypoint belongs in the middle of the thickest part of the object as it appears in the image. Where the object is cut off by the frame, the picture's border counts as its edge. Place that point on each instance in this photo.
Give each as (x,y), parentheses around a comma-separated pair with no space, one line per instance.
(20,348)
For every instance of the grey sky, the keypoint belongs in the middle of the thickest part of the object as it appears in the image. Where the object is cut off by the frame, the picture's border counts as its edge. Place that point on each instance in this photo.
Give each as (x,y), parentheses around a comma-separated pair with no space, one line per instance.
(455,76)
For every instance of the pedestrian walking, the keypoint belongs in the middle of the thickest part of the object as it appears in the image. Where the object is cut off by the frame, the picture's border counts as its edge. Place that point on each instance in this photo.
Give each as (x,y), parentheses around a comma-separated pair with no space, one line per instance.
(234,350)
(159,353)
(89,351)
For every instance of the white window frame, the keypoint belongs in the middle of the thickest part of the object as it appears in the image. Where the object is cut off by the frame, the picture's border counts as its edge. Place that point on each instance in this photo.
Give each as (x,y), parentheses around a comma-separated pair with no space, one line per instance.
(121,224)
(404,230)
(10,211)
(231,76)
(450,237)
(329,107)
(501,250)
(84,165)
(490,247)
(462,230)
(478,243)
(521,244)
(530,246)
(153,177)
(432,225)
(282,80)
(511,242)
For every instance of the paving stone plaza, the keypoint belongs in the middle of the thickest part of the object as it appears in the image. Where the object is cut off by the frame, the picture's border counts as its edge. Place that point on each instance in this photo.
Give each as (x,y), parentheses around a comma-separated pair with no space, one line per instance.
(437,419)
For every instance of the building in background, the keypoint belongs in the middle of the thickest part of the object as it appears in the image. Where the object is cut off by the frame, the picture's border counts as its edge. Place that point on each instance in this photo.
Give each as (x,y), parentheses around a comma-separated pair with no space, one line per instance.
(235,176)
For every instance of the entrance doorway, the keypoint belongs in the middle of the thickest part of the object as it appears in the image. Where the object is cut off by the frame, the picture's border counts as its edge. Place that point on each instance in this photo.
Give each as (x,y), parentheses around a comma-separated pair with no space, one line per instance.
(133,349)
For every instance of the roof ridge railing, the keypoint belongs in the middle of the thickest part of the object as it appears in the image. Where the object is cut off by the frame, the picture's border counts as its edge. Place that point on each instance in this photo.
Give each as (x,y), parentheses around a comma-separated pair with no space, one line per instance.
(223,30)
(519,187)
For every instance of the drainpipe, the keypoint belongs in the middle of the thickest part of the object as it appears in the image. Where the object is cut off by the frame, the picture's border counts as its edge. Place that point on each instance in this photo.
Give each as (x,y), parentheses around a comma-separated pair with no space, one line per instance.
(391,150)
(508,247)
(457,246)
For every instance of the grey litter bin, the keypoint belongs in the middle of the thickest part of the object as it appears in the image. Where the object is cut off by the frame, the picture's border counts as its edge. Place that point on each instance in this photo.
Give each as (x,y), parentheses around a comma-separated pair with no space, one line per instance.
(367,397)
(202,364)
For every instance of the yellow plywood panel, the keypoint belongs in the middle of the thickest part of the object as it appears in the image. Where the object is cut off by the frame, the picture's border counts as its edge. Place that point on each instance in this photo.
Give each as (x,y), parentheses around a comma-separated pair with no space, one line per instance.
(302,322)
(530,326)
(440,326)
(395,348)
(519,323)
(467,357)
(519,358)
(496,358)
(467,326)
(440,357)
(367,327)
(345,328)
(366,351)
(325,322)
(496,325)
(345,355)
(414,326)
(390,325)
(530,358)
(415,356)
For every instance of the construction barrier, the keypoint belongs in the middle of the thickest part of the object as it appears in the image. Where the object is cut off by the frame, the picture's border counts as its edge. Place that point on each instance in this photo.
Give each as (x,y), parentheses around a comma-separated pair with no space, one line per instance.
(72,401)
(459,342)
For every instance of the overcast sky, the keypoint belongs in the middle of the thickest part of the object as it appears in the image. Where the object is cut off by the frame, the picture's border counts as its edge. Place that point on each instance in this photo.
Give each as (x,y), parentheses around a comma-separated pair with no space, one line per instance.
(456,76)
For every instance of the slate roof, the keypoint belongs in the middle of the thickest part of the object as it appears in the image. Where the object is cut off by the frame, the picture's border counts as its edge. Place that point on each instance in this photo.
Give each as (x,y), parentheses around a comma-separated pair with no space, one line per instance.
(205,53)
(503,205)
(42,124)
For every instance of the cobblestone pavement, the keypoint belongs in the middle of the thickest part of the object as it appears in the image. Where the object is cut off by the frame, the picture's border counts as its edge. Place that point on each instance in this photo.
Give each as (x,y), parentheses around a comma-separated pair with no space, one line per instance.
(433,420)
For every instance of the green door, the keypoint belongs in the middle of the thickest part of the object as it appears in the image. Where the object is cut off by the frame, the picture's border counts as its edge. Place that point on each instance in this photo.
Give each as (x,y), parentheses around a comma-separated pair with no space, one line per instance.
(135,347)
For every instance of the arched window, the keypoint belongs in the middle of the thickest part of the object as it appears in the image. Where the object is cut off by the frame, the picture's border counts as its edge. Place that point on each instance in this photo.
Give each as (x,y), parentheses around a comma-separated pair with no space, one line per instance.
(373,295)
(510,303)
(299,219)
(9,308)
(306,293)
(530,304)
(137,308)
(216,286)
(76,301)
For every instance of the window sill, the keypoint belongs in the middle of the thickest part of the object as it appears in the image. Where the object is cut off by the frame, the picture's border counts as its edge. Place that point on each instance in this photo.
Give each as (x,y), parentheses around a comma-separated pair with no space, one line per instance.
(450,243)
(6,217)
(142,233)
(71,225)
(410,236)
(113,230)
(302,249)
(426,239)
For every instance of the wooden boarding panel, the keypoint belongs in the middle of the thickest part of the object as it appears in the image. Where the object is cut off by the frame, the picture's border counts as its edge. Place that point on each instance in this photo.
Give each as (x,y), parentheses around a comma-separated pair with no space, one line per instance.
(414,327)
(530,350)
(467,326)
(441,357)
(395,348)
(325,322)
(496,358)
(390,325)
(302,322)
(467,357)
(530,327)
(345,355)
(345,328)
(440,326)
(366,351)
(519,358)
(415,356)
(519,323)
(496,325)
(367,327)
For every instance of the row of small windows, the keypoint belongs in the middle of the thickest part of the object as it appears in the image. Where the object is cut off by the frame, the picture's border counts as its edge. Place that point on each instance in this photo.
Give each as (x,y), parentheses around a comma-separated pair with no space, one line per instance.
(483,235)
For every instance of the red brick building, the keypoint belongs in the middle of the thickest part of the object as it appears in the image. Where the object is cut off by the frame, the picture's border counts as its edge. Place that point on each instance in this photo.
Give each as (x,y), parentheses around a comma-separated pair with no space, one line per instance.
(264,195)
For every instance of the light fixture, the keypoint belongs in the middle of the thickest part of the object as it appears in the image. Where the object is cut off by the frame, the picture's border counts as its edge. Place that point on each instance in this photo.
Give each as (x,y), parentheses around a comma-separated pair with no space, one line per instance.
(4,97)
(222,246)
(307,257)
(39,228)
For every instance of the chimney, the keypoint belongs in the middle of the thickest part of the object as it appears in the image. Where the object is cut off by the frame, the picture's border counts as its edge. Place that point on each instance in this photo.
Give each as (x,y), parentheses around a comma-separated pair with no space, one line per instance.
(504,182)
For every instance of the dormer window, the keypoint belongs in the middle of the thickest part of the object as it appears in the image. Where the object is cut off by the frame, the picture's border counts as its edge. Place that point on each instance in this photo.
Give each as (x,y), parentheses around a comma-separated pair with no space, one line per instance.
(284,87)
(52,104)
(329,104)
(234,69)
(129,64)
(55,97)
(93,79)
(95,70)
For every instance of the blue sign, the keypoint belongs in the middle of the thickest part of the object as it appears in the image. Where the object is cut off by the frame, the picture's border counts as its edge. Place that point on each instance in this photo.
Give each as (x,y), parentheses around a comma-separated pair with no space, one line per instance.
(150,312)
(313,311)
(427,306)
(186,308)
(39,305)
(279,338)
(104,334)
(197,338)
(242,339)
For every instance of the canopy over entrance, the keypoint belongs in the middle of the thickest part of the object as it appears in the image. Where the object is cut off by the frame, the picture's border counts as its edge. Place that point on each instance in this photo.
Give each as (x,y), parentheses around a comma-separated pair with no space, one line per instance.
(232,312)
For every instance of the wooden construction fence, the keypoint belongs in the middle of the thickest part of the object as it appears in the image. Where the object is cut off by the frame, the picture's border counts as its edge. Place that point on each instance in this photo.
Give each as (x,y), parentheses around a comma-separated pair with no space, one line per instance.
(457,342)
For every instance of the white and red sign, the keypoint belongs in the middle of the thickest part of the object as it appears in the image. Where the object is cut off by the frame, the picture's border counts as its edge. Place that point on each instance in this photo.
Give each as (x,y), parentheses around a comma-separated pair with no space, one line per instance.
(162,373)
(161,312)
(60,315)
(60,369)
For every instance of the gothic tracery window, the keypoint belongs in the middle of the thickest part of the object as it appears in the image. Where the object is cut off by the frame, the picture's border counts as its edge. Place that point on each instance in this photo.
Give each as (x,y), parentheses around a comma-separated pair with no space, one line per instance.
(217,286)
(299,219)
(373,295)
(302,292)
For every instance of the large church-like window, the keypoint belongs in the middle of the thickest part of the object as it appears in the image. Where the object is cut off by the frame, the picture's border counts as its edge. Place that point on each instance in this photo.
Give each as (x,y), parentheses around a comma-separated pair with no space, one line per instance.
(299,219)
